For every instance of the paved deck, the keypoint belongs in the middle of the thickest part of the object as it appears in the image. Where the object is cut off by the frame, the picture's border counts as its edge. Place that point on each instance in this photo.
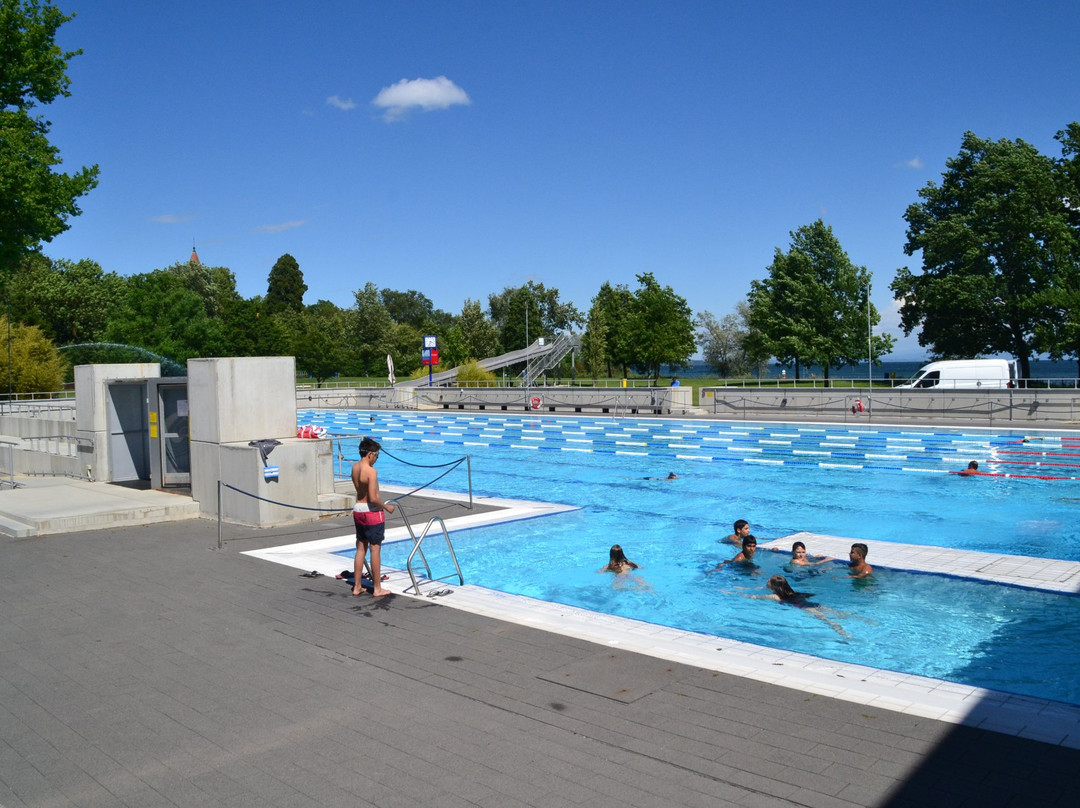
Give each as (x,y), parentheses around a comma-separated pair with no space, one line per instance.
(141,667)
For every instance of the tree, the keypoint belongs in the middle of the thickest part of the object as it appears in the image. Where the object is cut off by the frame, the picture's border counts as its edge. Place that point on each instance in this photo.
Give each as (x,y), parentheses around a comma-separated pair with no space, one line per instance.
(160,313)
(317,339)
(478,337)
(723,342)
(369,331)
(813,307)
(661,326)
(547,315)
(999,243)
(36,365)
(285,286)
(594,340)
(1064,340)
(615,302)
(35,201)
(70,301)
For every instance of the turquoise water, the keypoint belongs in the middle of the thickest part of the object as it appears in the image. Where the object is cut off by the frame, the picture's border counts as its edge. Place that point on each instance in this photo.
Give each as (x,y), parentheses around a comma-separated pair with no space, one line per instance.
(874,485)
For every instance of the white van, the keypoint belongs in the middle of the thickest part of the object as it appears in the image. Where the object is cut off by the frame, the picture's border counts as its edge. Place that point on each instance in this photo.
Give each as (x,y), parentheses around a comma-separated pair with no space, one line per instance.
(963,374)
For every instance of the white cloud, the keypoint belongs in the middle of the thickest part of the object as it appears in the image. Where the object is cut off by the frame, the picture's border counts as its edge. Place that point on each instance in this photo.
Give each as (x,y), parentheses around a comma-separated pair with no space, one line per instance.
(341,103)
(171,218)
(914,162)
(278,228)
(425,94)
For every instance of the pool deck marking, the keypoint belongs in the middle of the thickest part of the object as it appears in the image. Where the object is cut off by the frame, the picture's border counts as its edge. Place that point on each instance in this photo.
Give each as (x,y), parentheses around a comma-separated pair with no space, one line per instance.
(1023,716)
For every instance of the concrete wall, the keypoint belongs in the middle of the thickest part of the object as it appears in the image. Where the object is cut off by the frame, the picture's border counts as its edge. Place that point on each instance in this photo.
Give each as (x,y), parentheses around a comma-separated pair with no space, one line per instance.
(978,407)
(242,399)
(592,400)
(92,407)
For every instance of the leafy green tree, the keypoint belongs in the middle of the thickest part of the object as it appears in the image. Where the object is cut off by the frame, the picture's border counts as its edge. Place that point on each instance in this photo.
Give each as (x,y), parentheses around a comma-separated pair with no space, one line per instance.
(248,330)
(724,342)
(1060,334)
(159,312)
(415,309)
(594,341)
(69,301)
(998,239)
(616,302)
(661,327)
(479,340)
(215,286)
(35,200)
(285,286)
(813,307)
(369,332)
(36,365)
(317,339)
(547,315)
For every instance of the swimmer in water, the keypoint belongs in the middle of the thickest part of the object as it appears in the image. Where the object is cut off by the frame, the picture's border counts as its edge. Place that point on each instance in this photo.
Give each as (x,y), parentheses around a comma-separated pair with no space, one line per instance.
(801,559)
(745,556)
(783,593)
(971,470)
(623,568)
(742,530)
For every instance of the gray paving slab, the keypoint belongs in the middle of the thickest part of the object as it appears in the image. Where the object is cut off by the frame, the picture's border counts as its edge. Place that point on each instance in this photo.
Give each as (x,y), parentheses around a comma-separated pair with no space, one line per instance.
(142,666)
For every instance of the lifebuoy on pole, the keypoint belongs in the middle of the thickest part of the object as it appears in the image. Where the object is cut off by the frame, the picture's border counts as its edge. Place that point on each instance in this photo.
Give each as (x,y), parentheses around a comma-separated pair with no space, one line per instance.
(857,406)
(535,402)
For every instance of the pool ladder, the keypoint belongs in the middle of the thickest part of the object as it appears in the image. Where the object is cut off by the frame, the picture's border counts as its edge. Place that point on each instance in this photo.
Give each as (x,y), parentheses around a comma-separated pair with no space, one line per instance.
(418,550)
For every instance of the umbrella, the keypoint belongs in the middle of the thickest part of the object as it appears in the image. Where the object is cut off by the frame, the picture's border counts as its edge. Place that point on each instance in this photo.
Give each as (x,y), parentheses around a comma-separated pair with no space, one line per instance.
(390,367)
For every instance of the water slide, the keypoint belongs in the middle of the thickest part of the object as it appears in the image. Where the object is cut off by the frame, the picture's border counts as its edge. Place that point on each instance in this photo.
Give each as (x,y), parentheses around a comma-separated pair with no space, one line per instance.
(539,357)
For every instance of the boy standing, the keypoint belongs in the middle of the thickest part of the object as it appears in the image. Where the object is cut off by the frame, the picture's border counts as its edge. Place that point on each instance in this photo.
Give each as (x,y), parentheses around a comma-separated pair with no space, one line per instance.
(369,516)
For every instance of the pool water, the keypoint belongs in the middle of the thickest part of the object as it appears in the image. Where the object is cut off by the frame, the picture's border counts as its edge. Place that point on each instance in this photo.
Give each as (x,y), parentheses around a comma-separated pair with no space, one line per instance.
(988,635)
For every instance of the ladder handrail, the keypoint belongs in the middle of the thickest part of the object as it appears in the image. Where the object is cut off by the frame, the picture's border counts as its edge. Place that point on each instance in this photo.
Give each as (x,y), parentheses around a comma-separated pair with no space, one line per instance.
(418,549)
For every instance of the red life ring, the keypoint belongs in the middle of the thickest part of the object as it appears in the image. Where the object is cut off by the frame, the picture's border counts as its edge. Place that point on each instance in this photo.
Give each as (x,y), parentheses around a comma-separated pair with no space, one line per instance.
(535,402)
(857,406)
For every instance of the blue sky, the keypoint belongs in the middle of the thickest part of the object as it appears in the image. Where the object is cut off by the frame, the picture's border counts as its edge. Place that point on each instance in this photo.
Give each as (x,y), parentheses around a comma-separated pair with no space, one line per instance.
(458,148)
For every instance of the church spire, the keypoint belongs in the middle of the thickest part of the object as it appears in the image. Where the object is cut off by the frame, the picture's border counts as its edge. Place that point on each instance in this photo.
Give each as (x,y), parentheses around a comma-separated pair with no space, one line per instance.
(194,255)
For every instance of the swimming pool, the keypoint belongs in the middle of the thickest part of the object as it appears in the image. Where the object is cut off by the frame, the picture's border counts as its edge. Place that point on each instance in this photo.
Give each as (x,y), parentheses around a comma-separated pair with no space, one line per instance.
(947,628)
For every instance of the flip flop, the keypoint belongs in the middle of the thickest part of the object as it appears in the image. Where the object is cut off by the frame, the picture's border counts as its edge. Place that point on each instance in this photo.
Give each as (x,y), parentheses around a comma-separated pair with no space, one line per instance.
(312,574)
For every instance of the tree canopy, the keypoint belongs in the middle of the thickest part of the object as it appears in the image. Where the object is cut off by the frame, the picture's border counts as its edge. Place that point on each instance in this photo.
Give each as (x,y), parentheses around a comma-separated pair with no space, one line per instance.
(660,327)
(285,286)
(999,244)
(814,305)
(36,201)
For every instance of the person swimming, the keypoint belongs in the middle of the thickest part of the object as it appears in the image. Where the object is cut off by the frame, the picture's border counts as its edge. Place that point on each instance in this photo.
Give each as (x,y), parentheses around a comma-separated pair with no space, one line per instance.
(618,562)
(783,593)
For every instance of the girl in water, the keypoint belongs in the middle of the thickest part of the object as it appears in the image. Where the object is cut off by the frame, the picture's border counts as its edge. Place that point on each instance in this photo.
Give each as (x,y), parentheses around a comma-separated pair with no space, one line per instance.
(618,562)
(624,568)
(783,593)
(799,557)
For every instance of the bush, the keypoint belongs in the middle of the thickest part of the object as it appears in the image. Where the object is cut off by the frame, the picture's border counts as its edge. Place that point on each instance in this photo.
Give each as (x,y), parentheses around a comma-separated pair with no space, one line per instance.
(472,372)
(36,364)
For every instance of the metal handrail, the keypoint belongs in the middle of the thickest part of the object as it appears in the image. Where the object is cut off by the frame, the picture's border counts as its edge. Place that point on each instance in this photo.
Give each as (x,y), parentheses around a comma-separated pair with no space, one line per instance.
(418,549)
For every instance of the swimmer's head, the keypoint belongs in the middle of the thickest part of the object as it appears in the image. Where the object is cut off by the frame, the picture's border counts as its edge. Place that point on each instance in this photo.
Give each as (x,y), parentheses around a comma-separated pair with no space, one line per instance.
(742,527)
(798,550)
(369,445)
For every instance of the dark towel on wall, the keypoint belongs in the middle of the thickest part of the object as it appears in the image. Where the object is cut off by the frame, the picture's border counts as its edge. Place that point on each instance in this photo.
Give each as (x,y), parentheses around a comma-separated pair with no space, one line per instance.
(265,447)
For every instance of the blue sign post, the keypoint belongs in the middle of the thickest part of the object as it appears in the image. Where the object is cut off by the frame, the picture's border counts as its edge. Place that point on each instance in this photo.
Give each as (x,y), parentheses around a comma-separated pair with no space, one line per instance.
(429,355)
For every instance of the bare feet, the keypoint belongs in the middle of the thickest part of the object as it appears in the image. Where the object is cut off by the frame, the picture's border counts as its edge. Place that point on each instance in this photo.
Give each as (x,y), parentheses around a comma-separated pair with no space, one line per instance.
(356,590)
(379,592)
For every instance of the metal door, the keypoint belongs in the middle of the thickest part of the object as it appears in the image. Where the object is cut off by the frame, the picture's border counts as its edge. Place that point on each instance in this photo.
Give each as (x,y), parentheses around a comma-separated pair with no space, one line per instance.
(174,443)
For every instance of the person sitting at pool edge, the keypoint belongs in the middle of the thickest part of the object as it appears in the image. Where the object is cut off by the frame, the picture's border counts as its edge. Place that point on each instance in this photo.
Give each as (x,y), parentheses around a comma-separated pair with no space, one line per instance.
(799,557)
(742,530)
(971,470)
(859,567)
(618,562)
(745,556)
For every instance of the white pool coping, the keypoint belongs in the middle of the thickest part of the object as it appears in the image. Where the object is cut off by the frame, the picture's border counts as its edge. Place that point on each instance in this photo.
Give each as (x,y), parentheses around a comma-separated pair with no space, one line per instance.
(1023,716)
